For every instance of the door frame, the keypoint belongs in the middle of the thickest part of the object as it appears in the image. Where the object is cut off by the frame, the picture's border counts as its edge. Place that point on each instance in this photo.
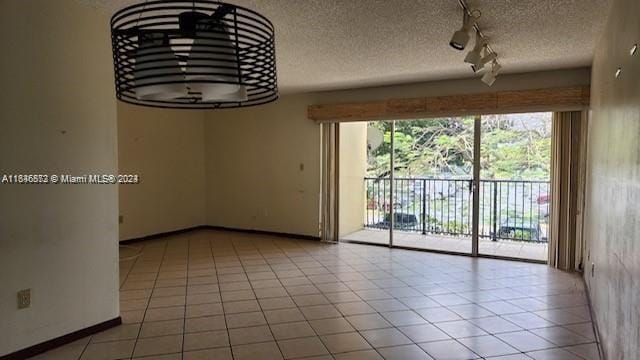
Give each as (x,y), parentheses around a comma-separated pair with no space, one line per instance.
(475,188)
(392,176)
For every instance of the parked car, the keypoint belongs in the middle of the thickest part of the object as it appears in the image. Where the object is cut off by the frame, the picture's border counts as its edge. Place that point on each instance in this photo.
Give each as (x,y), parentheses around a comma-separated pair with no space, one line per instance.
(516,230)
(401,221)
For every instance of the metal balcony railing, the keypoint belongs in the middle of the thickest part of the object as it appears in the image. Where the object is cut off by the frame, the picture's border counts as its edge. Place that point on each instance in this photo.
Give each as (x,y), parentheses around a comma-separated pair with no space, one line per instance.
(515,210)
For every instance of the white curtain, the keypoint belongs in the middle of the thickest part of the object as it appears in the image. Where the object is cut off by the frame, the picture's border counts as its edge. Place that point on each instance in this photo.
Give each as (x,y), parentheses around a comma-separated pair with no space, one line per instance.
(329,186)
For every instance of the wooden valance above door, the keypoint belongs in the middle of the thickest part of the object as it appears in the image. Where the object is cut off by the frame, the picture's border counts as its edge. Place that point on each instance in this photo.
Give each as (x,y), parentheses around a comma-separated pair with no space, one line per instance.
(518,101)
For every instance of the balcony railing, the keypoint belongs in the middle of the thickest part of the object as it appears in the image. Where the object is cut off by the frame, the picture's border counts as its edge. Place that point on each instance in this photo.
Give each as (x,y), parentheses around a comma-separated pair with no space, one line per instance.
(515,210)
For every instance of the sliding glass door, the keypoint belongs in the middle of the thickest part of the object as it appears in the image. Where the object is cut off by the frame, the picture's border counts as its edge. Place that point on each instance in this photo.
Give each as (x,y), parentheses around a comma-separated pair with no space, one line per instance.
(472,185)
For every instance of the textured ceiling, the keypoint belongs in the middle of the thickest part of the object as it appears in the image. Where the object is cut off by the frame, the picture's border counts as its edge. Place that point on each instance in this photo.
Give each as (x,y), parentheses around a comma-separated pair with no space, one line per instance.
(334,44)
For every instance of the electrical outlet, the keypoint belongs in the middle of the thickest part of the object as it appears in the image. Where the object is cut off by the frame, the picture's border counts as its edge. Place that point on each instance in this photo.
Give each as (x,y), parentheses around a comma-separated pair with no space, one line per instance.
(24,298)
(120,219)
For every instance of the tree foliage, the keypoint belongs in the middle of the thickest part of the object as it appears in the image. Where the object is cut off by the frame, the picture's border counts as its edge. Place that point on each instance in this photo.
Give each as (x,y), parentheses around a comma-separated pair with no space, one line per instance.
(514,147)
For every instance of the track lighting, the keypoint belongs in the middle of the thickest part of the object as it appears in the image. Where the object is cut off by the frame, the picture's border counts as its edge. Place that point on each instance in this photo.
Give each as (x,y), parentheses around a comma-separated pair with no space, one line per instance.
(490,76)
(481,54)
(461,37)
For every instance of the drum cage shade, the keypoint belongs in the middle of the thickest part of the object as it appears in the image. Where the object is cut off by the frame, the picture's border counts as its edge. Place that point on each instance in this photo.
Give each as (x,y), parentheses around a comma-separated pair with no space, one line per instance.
(191,46)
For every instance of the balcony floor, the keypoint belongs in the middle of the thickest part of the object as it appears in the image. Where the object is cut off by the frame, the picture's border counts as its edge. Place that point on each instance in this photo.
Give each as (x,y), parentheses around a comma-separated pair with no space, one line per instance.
(505,248)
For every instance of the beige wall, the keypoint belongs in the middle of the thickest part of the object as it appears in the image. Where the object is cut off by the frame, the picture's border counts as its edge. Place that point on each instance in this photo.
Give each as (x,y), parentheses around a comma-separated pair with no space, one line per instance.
(263,168)
(612,222)
(57,116)
(353,169)
(166,148)
(253,155)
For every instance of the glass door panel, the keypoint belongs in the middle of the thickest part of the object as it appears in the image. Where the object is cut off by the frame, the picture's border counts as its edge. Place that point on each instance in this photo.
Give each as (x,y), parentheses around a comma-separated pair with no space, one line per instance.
(433,172)
(515,185)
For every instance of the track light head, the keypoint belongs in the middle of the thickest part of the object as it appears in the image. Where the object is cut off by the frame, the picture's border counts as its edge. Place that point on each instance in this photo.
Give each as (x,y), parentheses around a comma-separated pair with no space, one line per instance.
(487,58)
(460,38)
(490,76)
(475,56)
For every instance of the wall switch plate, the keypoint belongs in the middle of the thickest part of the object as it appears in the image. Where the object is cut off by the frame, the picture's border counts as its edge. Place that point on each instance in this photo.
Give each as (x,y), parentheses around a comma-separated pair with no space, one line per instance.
(24,298)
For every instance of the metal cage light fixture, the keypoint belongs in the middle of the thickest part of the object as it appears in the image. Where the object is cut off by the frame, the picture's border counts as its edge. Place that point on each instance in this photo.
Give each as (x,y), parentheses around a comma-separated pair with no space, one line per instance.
(199,54)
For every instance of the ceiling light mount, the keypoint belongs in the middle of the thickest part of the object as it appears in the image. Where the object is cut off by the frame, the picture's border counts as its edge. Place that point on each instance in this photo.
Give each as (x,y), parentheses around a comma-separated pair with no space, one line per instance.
(200,54)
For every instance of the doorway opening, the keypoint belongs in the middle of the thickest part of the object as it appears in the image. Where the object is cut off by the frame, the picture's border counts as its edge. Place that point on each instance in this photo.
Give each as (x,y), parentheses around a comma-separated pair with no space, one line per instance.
(477,185)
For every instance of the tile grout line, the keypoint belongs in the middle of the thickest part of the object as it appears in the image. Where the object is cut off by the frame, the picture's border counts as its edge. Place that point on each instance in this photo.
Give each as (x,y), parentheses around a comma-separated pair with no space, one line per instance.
(376,312)
(224,316)
(347,320)
(451,338)
(257,300)
(144,314)
(298,307)
(186,290)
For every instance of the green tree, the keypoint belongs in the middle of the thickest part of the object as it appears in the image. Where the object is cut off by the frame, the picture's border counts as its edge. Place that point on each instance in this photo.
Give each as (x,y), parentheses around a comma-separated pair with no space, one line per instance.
(425,147)
(511,148)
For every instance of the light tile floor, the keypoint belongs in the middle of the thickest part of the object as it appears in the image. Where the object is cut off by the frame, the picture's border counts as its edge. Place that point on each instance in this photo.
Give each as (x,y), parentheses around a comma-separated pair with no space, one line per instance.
(461,244)
(220,295)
